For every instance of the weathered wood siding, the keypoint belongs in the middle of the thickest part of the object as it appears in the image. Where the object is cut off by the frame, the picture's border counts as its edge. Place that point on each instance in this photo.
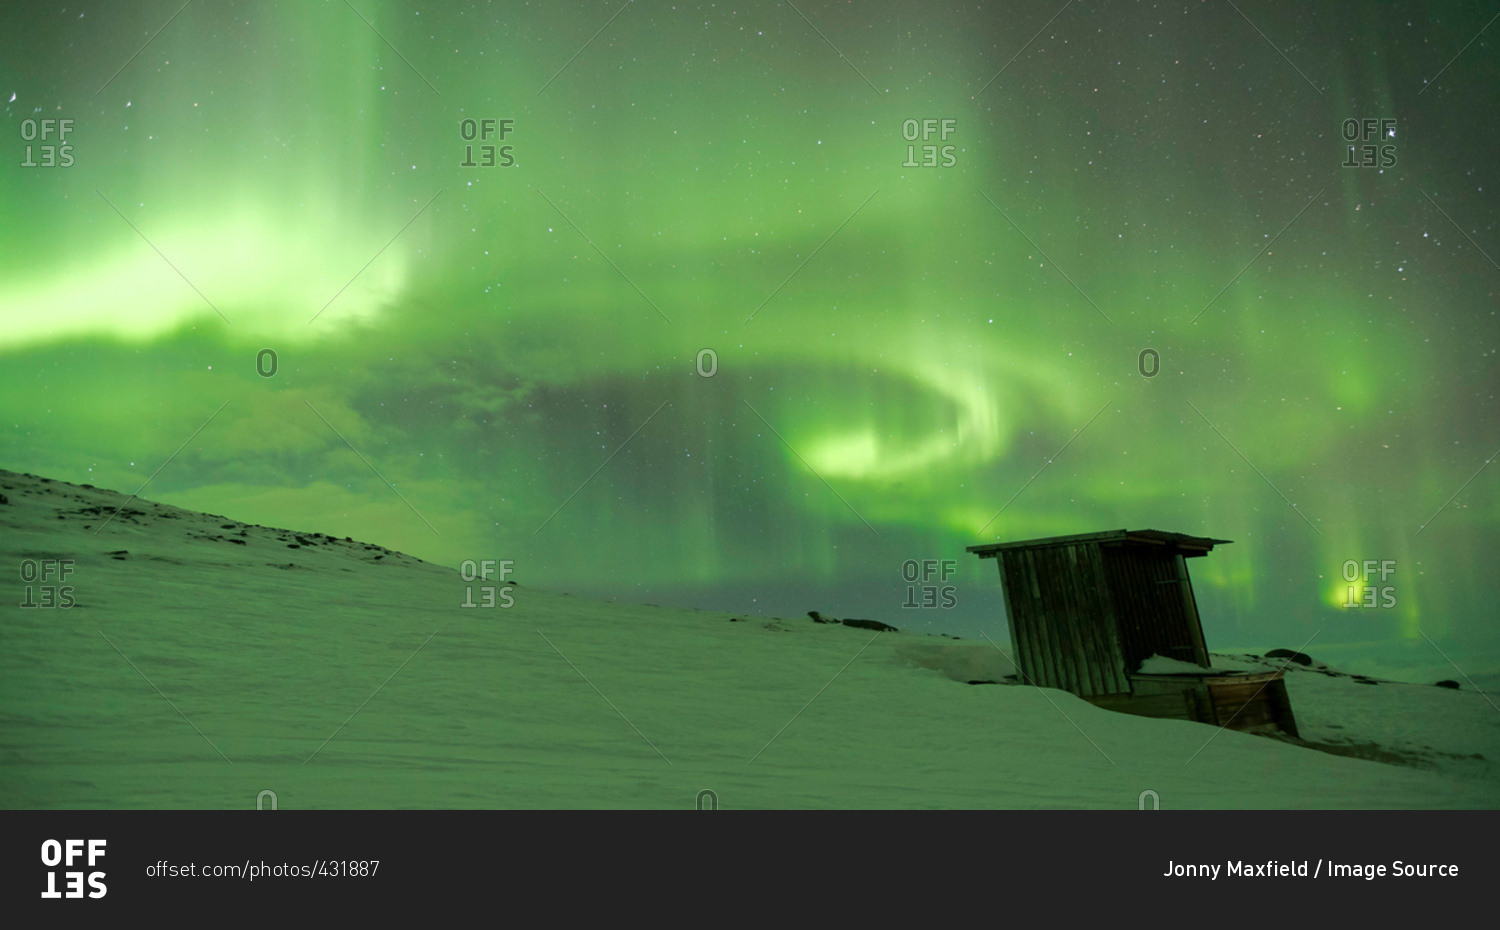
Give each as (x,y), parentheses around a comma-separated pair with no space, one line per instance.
(1062,619)
(1252,702)
(1153,603)
(1256,703)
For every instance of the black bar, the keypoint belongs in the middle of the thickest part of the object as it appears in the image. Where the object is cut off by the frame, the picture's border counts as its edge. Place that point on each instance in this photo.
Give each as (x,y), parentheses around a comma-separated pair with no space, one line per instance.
(1073,863)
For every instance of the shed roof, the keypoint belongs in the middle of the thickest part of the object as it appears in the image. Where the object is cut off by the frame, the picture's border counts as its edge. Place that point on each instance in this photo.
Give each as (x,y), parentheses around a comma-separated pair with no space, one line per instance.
(1188,545)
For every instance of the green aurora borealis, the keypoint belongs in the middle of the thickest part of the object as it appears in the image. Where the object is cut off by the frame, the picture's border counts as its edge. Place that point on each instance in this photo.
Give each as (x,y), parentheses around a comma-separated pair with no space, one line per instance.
(1326,333)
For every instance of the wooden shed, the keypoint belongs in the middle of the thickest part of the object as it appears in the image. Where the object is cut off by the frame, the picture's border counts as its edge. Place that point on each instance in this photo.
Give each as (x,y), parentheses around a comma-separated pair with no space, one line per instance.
(1086,611)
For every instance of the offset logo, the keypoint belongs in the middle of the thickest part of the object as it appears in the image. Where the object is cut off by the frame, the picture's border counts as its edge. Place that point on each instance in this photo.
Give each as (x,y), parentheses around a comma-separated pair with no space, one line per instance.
(1371,143)
(44,587)
(491,154)
(490,595)
(1364,591)
(69,853)
(47,143)
(930,154)
(933,591)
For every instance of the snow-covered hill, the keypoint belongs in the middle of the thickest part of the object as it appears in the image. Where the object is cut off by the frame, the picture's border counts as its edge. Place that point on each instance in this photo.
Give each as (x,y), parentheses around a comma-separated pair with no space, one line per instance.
(203,661)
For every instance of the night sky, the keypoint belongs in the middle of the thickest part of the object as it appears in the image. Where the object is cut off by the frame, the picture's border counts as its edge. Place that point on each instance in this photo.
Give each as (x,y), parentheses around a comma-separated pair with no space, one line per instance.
(507,362)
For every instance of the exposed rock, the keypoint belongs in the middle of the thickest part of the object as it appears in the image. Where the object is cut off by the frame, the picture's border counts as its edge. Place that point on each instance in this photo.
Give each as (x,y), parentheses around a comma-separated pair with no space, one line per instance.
(1290,655)
(870,625)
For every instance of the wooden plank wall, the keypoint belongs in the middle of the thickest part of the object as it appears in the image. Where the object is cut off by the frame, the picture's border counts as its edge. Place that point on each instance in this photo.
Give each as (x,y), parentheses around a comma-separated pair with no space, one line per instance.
(1253,704)
(1250,703)
(1149,606)
(1193,622)
(1059,625)
(1095,617)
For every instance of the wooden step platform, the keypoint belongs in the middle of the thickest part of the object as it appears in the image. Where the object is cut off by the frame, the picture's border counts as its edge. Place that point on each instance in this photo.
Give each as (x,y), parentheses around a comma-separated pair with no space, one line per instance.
(1255,702)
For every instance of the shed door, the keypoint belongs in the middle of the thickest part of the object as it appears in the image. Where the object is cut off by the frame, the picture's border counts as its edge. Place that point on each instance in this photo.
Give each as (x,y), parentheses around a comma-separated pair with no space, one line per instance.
(1149,587)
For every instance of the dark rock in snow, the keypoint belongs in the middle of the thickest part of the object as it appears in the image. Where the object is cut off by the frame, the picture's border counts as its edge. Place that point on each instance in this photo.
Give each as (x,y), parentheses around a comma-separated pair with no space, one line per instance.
(1448,683)
(1298,657)
(819,618)
(871,625)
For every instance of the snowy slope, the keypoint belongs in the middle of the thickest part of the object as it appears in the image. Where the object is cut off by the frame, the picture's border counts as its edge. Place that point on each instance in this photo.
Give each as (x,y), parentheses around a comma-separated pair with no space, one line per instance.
(205,660)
